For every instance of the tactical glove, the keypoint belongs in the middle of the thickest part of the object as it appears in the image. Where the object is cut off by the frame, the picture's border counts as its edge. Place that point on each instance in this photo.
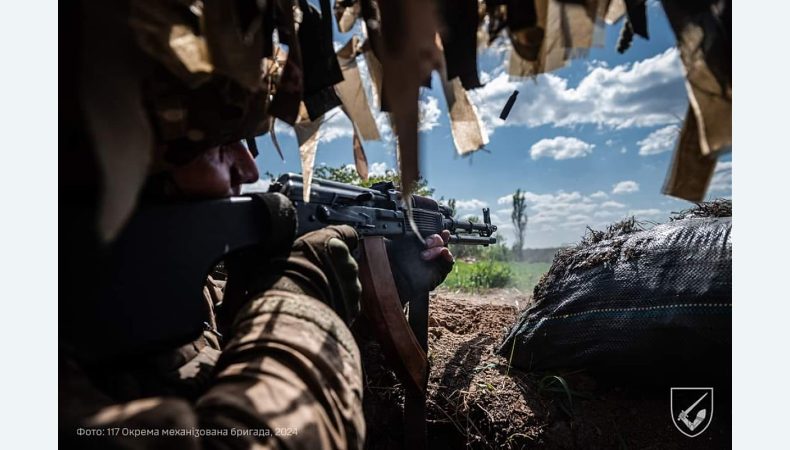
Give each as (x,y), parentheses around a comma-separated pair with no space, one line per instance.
(321,266)
(413,275)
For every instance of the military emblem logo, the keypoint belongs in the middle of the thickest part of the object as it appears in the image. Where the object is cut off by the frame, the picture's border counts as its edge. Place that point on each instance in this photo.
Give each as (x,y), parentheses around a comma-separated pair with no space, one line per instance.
(691,409)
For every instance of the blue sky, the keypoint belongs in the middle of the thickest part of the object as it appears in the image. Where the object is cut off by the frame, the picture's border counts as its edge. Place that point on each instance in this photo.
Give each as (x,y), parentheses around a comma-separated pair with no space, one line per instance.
(589,143)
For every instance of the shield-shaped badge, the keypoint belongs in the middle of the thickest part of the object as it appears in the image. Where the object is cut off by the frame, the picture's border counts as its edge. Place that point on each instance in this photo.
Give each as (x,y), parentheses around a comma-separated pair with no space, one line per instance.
(691,409)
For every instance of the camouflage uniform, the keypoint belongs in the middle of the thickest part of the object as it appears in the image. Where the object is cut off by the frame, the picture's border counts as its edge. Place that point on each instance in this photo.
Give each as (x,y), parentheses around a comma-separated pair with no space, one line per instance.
(288,376)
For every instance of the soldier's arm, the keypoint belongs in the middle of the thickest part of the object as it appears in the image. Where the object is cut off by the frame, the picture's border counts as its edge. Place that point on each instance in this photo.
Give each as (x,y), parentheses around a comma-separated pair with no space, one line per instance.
(289,375)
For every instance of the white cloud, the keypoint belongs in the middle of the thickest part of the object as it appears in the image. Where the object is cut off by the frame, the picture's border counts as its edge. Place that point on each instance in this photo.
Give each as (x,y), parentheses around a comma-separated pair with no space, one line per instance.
(336,125)
(258,186)
(429,113)
(606,213)
(578,218)
(600,195)
(378,169)
(612,204)
(469,215)
(625,187)
(468,205)
(646,93)
(561,147)
(722,177)
(659,141)
(644,212)
(505,200)
(554,209)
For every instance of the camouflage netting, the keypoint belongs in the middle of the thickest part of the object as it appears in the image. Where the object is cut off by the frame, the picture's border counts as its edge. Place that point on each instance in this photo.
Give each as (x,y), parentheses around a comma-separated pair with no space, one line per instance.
(636,300)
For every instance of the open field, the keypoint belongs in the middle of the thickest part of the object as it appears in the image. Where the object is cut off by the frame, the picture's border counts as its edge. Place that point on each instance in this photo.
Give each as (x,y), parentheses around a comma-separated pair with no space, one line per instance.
(472,276)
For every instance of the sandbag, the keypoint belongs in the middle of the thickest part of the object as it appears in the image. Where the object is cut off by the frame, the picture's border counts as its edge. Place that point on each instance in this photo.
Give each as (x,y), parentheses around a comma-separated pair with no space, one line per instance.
(634,301)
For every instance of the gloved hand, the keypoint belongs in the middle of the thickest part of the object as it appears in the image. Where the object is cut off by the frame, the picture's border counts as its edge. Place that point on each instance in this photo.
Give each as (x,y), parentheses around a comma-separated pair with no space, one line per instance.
(321,266)
(419,268)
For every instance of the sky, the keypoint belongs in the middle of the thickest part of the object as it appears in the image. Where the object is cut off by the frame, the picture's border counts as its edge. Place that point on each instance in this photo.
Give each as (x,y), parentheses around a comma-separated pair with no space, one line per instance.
(590,143)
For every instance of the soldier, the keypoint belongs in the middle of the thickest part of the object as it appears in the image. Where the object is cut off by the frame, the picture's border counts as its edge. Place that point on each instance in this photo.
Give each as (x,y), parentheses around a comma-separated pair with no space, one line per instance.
(289,373)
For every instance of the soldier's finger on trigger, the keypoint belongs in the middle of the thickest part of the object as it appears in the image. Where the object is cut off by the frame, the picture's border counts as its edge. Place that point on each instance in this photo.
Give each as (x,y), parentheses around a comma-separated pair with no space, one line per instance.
(431,253)
(433,241)
(447,255)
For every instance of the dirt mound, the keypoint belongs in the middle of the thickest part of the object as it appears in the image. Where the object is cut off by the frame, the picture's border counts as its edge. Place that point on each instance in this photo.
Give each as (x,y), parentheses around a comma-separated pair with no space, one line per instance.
(471,399)
(475,401)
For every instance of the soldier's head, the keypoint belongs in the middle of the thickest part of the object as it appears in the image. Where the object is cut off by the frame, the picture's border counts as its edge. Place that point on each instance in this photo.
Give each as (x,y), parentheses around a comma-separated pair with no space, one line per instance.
(217,172)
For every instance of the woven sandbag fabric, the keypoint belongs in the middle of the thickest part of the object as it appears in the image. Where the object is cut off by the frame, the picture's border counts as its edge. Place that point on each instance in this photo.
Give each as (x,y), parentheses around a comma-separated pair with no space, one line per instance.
(646,300)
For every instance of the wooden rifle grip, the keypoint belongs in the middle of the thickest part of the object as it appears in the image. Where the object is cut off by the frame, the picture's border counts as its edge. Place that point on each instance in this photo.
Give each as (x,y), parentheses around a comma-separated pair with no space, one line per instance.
(382,307)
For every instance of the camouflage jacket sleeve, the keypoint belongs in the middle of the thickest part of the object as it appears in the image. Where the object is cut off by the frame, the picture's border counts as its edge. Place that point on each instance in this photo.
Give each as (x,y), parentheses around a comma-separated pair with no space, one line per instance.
(289,377)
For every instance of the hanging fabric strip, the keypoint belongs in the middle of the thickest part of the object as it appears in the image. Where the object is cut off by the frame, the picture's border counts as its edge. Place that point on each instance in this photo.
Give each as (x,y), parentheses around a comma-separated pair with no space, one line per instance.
(459,37)
(561,30)
(690,171)
(307,136)
(539,48)
(706,51)
(409,55)
(288,96)
(467,130)
(321,69)
(360,160)
(615,12)
(352,93)
(274,140)
(637,15)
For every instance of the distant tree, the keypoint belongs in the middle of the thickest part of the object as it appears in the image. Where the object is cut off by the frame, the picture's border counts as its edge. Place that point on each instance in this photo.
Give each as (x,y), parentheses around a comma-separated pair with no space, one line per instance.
(451,205)
(519,219)
(348,174)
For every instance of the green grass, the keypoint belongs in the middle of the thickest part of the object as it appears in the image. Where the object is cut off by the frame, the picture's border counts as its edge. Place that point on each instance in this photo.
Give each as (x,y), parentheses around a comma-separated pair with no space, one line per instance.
(526,275)
(492,274)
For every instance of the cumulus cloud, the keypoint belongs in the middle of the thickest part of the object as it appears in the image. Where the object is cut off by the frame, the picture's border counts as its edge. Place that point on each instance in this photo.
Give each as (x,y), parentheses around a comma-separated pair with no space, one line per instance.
(647,93)
(258,186)
(625,187)
(659,141)
(561,217)
(553,209)
(429,113)
(468,205)
(561,147)
(336,125)
(722,177)
(505,200)
(606,213)
(644,212)
(378,169)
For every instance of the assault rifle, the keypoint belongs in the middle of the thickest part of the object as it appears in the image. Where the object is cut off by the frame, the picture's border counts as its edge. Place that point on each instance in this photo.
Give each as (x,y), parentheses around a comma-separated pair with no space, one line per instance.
(152,290)
(156,269)
(377,211)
